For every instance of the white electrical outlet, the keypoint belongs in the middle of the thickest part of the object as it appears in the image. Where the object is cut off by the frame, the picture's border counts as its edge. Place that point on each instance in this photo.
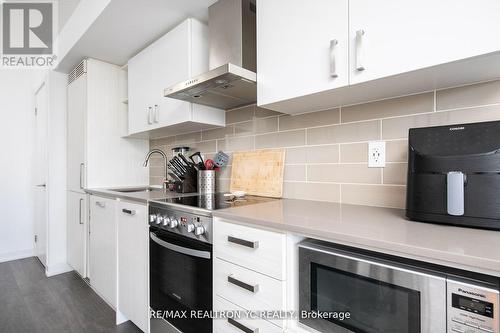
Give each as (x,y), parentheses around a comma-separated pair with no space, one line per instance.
(376,154)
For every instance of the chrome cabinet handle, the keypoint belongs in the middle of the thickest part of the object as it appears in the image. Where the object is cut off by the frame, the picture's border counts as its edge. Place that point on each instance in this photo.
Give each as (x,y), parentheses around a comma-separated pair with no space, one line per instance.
(100,204)
(333,65)
(241,327)
(157,114)
(359,50)
(243,242)
(41,185)
(82,171)
(244,285)
(150,115)
(128,211)
(80,211)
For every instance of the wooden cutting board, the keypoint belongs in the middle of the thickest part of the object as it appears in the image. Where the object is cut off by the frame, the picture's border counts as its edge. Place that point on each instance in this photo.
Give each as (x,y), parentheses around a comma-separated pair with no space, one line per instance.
(258,172)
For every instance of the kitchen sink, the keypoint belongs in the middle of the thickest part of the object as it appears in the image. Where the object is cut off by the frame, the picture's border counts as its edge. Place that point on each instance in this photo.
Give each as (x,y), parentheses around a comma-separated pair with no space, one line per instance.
(136,189)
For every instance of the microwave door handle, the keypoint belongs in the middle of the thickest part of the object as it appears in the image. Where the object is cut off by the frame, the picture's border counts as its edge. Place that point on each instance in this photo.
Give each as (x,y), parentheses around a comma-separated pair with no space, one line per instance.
(455,183)
(180,249)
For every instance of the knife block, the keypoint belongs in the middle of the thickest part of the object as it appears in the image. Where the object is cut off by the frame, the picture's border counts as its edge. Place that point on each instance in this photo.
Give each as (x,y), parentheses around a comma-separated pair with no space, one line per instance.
(189,184)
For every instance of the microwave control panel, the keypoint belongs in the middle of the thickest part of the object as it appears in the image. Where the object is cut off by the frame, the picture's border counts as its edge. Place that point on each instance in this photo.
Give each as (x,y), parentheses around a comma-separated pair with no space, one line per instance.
(471,308)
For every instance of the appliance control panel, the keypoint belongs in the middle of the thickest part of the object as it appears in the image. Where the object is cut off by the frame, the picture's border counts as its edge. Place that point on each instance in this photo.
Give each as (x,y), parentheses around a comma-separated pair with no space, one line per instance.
(472,309)
(182,223)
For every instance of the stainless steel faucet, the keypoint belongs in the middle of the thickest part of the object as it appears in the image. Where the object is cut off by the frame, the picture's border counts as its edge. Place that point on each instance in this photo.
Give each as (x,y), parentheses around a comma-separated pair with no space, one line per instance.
(165,158)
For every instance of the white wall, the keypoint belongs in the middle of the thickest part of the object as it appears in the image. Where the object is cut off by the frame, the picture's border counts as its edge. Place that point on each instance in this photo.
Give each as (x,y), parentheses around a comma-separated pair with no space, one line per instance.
(16,144)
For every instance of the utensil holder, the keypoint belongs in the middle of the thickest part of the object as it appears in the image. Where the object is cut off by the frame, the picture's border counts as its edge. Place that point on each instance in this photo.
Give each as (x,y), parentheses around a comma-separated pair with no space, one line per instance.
(206,181)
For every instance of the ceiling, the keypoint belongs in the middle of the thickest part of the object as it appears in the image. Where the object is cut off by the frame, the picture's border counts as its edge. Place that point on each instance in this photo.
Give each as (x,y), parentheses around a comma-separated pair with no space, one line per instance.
(125,27)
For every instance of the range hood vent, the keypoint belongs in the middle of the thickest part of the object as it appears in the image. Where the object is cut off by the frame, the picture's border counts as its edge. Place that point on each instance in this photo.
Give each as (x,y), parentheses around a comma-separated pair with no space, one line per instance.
(231,81)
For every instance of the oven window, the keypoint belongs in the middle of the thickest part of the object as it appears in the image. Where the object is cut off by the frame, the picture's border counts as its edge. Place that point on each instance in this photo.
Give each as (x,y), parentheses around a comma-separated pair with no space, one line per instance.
(374,306)
(180,282)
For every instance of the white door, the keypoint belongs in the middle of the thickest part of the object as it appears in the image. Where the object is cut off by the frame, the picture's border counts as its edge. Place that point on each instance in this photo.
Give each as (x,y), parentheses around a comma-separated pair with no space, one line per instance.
(77,217)
(405,35)
(171,59)
(133,263)
(77,120)
(102,247)
(140,104)
(41,158)
(295,52)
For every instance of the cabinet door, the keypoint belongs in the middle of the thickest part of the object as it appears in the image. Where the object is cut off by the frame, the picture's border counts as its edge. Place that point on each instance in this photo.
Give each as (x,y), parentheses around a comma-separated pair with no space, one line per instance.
(405,35)
(77,120)
(102,247)
(77,217)
(295,56)
(140,104)
(171,58)
(133,263)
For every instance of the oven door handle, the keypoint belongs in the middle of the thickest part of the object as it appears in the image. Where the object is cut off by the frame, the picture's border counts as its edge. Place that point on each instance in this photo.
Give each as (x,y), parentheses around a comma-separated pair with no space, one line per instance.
(180,249)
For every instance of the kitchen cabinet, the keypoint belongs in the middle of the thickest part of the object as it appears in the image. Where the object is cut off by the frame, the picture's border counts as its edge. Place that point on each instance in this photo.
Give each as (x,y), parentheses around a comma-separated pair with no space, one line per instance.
(402,36)
(384,49)
(76,228)
(178,55)
(249,272)
(302,48)
(133,263)
(97,155)
(102,247)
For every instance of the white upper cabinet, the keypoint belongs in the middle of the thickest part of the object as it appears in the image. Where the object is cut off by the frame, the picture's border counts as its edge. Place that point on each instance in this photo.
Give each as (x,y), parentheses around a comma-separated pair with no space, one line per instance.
(178,55)
(384,48)
(302,48)
(405,35)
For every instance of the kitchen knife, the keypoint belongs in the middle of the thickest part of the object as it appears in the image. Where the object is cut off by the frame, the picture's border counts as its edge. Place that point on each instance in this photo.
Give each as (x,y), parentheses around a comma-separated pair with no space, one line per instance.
(178,165)
(175,170)
(186,161)
(174,176)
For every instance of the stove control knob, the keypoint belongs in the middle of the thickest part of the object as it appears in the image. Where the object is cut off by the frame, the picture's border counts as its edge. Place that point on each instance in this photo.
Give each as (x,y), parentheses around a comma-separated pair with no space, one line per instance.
(190,227)
(166,221)
(152,218)
(159,219)
(174,223)
(199,230)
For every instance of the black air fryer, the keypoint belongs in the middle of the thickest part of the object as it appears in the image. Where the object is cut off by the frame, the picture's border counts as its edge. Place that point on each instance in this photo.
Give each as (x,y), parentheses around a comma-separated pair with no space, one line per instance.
(454,175)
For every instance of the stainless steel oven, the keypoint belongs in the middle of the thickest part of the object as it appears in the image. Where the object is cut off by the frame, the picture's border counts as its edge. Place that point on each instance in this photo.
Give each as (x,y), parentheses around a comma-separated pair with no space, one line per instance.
(342,289)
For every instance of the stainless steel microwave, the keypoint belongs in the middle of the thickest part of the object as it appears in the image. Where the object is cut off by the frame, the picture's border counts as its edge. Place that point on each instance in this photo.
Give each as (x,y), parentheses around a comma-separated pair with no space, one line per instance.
(342,289)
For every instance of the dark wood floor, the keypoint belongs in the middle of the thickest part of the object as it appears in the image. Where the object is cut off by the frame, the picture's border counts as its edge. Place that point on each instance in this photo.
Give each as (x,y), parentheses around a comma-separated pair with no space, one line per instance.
(31,302)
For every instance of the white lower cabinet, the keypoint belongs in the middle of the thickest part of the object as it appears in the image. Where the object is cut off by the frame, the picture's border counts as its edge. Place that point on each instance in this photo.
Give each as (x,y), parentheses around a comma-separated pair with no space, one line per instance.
(249,273)
(102,247)
(241,324)
(133,263)
(76,231)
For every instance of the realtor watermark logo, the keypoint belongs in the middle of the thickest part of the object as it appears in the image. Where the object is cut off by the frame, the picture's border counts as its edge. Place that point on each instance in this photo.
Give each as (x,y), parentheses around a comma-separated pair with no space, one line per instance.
(28,30)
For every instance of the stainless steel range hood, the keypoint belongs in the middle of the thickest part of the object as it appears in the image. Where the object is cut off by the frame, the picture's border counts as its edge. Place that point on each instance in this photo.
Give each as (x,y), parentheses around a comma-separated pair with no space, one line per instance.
(231,80)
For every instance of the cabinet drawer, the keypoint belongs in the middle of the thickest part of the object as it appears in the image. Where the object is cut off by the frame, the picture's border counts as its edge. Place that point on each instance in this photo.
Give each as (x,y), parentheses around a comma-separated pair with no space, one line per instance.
(248,289)
(240,325)
(256,249)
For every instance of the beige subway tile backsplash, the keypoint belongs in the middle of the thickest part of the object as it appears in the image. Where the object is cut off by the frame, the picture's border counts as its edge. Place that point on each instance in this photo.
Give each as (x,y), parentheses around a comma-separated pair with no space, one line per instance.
(344,173)
(467,96)
(374,195)
(238,115)
(281,139)
(396,128)
(312,191)
(295,173)
(362,131)
(319,118)
(354,152)
(389,108)
(395,173)
(326,152)
(396,151)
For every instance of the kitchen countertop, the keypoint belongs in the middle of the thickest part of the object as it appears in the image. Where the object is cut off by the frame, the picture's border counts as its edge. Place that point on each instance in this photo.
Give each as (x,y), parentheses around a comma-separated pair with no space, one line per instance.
(380,229)
(140,197)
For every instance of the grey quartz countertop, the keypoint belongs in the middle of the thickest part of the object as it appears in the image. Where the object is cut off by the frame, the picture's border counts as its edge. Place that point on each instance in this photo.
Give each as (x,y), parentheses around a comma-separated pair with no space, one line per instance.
(140,197)
(380,229)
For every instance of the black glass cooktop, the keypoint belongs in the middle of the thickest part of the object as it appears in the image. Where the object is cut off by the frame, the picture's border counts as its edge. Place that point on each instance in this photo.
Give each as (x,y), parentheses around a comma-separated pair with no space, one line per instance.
(215,201)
